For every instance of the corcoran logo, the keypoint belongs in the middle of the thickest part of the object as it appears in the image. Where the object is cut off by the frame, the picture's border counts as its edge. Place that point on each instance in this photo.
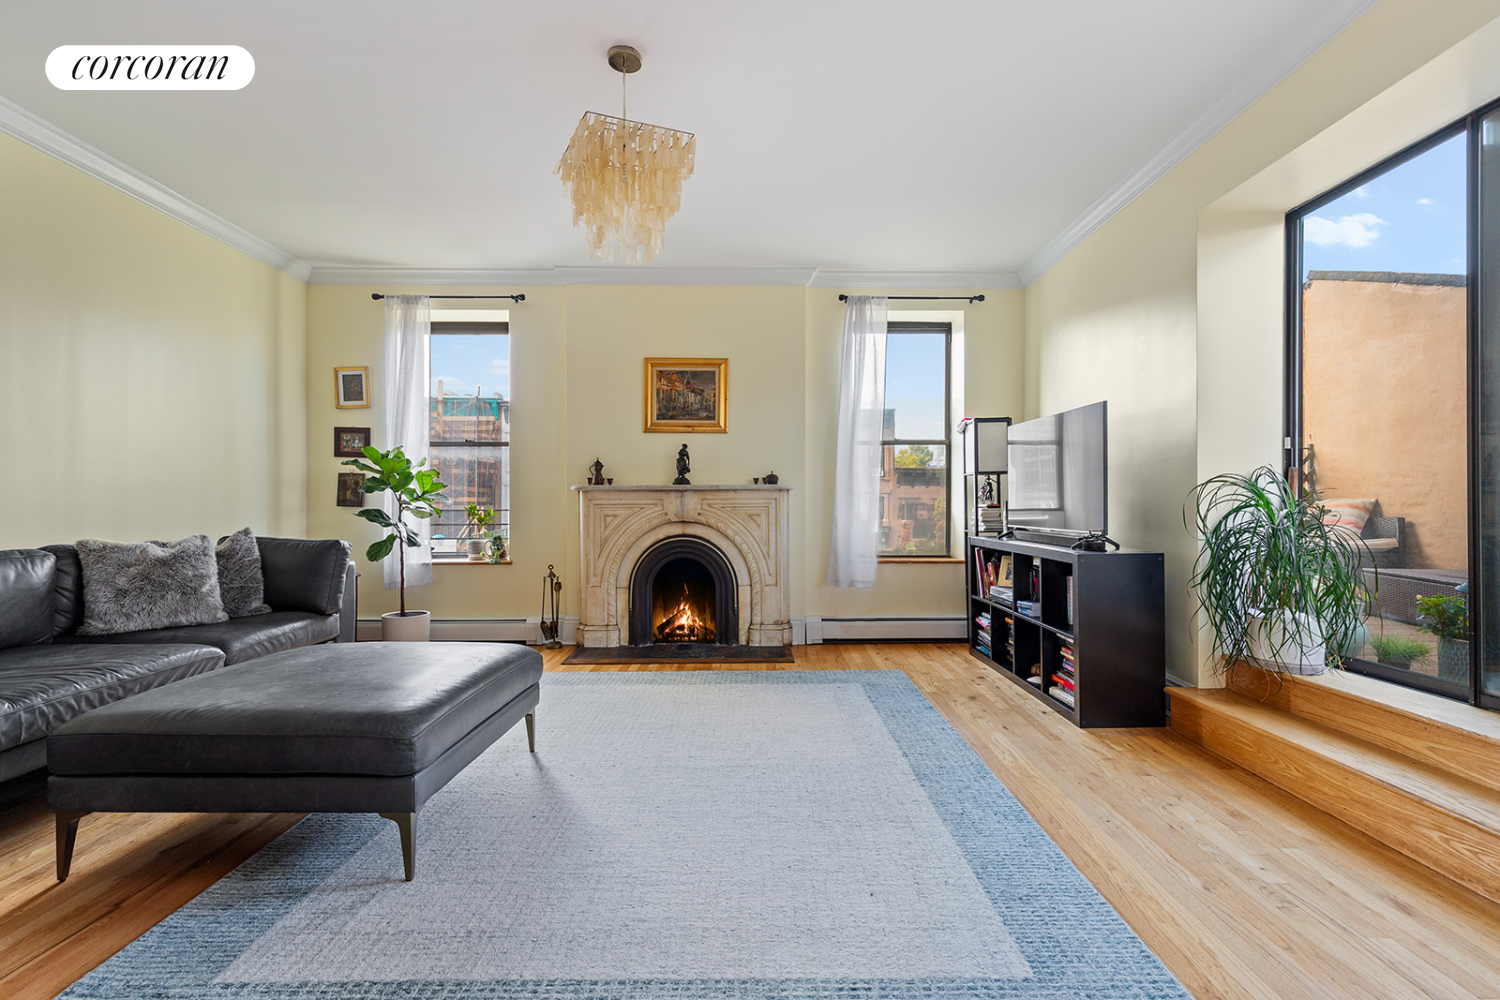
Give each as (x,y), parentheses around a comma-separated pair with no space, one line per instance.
(150,67)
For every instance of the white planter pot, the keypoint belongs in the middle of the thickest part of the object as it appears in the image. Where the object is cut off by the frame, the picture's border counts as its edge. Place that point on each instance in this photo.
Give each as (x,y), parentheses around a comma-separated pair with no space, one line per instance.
(477,551)
(1273,649)
(414,626)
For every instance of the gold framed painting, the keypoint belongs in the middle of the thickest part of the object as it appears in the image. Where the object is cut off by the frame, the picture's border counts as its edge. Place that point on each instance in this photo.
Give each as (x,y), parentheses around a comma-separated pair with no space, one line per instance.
(351,388)
(688,395)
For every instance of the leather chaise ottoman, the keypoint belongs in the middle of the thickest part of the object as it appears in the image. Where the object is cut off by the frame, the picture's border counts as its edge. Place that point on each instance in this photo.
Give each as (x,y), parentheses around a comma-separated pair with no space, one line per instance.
(347,727)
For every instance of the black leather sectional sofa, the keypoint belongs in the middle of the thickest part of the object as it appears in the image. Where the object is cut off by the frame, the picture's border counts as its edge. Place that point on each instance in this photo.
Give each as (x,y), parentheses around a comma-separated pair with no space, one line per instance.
(49,674)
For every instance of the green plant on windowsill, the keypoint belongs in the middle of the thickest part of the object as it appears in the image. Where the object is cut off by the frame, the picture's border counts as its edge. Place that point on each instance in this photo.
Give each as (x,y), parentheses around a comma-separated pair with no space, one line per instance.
(1399,651)
(481,518)
(498,552)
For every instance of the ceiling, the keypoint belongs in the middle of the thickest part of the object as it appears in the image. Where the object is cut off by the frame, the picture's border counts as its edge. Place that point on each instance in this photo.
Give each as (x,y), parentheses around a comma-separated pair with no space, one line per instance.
(876,135)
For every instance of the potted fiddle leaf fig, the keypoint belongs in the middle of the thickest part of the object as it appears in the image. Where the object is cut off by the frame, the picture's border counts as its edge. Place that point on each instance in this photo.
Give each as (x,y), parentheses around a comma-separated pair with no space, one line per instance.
(415,492)
(1447,617)
(1277,583)
(480,518)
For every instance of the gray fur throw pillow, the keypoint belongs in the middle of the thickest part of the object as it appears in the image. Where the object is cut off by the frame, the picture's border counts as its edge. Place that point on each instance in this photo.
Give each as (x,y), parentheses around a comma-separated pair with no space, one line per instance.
(242,587)
(146,585)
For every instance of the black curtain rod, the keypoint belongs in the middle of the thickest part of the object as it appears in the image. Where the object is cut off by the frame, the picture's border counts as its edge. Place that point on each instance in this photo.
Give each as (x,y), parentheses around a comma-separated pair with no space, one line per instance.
(521,297)
(927,298)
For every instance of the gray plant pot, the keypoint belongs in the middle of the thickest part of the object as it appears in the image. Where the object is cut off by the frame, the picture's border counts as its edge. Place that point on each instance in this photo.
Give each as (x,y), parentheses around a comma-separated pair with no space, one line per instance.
(1453,660)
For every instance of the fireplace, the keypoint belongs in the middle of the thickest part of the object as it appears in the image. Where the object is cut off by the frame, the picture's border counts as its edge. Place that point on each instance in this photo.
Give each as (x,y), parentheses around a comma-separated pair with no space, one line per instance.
(737,535)
(683,591)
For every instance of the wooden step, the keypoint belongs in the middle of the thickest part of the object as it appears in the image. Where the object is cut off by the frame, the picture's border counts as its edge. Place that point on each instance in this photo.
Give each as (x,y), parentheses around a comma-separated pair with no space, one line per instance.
(1443,820)
(1447,734)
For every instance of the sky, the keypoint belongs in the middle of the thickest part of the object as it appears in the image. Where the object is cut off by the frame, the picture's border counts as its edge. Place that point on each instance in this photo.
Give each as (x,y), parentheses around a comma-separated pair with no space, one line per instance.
(464,361)
(1407,219)
(914,384)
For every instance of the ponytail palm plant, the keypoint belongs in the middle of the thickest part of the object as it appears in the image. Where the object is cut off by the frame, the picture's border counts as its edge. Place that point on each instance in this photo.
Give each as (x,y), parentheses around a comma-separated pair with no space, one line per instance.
(1275,581)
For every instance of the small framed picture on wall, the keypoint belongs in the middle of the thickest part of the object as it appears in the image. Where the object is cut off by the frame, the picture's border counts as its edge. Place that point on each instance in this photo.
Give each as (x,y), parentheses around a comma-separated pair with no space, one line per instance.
(352,387)
(351,489)
(350,442)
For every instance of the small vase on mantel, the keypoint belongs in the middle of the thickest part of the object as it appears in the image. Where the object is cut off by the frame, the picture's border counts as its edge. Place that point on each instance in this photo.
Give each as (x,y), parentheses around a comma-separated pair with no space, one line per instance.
(414,626)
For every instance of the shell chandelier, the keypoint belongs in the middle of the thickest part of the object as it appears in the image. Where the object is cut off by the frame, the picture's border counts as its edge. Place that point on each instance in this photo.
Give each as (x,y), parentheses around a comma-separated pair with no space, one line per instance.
(625,177)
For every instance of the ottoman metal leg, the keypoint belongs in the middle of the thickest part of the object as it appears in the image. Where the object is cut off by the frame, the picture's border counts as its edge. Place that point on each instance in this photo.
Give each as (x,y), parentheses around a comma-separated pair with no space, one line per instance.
(67,833)
(407,824)
(531,730)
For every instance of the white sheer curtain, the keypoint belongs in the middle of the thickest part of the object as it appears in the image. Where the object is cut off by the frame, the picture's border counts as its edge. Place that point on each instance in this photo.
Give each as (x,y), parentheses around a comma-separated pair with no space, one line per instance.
(408,327)
(854,556)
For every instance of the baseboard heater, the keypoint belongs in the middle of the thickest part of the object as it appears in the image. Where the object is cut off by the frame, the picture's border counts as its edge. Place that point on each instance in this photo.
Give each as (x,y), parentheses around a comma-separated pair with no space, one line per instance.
(884,629)
(527,630)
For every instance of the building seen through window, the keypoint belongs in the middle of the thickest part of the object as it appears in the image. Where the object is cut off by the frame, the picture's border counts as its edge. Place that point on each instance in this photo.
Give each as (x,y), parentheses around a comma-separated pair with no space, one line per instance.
(914,483)
(469,424)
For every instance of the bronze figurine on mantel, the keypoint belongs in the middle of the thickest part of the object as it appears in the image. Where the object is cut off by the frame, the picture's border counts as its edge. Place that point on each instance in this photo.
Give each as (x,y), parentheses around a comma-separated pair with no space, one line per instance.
(770,480)
(596,473)
(683,468)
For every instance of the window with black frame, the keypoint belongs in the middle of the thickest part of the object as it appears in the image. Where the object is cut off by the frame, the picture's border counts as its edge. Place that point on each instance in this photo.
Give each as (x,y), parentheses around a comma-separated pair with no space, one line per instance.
(470,429)
(914,474)
(1379,362)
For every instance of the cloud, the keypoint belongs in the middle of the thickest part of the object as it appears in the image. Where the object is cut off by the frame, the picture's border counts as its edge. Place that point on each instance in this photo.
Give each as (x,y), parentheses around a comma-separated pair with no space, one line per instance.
(1353,231)
(1362,191)
(1425,201)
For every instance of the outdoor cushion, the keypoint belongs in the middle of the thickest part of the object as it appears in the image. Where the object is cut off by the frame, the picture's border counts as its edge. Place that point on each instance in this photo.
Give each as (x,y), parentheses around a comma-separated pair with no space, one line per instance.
(25,596)
(239,639)
(1351,514)
(1381,544)
(368,708)
(41,687)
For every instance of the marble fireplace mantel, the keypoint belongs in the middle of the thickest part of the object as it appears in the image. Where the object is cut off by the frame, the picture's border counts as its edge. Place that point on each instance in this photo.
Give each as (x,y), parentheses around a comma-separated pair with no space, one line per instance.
(748,524)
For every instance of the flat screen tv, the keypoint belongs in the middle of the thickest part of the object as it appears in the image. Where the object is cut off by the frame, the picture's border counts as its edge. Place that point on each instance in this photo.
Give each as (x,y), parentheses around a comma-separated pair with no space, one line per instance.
(1059,473)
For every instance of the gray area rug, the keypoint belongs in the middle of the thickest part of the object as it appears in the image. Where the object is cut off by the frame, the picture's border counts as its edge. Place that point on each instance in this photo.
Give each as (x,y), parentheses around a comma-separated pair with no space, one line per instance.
(715,835)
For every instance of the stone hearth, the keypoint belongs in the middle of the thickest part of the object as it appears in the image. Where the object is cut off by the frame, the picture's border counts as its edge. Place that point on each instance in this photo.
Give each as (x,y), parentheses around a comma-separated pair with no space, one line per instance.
(747,524)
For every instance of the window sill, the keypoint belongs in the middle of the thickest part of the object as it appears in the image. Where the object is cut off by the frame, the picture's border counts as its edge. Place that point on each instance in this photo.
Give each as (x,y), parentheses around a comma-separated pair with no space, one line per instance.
(468,562)
(920,559)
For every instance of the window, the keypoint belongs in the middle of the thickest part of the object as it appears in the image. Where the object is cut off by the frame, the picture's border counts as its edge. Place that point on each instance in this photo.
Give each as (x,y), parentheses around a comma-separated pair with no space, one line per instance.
(914,464)
(470,426)
(1384,342)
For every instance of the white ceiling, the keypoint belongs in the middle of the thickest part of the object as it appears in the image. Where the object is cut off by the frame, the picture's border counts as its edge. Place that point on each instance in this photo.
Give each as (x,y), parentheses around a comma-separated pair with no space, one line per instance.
(868,135)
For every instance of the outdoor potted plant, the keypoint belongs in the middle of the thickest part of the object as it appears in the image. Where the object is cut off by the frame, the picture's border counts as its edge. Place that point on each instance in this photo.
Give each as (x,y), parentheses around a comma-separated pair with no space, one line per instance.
(1447,617)
(415,491)
(480,518)
(1399,650)
(1277,584)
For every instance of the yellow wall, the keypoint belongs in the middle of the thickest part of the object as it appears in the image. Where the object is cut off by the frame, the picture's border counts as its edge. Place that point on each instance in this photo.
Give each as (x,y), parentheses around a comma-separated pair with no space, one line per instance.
(151,377)
(577,357)
(1145,313)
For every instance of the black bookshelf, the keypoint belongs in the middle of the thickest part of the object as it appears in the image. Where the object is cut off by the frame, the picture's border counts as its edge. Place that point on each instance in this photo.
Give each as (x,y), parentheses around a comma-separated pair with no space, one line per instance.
(1084,632)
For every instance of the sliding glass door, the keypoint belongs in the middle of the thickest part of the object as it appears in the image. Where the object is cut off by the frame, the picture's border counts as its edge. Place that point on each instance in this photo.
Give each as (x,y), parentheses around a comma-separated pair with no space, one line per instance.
(1393,399)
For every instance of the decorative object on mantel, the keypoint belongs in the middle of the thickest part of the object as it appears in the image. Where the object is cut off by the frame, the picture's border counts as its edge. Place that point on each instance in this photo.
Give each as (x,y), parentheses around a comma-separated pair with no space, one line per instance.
(596,473)
(415,491)
(625,177)
(351,489)
(551,587)
(350,442)
(687,394)
(481,518)
(770,480)
(683,468)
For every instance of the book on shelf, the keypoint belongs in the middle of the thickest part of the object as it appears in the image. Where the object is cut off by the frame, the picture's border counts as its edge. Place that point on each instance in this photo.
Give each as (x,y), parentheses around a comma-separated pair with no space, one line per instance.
(1064,680)
(1063,695)
(1002,595)
(1026,608)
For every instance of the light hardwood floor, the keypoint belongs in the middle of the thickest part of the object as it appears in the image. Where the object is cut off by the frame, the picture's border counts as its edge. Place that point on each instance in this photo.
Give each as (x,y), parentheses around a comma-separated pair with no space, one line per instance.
(1242,890)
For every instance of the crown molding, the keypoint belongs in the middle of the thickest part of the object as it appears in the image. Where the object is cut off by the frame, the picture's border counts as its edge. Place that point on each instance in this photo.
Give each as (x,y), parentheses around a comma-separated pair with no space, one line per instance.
(1251,88)
(827,278)
(21,124)
(798,276)
(329,274)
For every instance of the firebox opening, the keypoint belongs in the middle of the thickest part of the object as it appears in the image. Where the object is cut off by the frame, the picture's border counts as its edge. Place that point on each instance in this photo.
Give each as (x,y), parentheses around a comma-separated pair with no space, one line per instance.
(682,603)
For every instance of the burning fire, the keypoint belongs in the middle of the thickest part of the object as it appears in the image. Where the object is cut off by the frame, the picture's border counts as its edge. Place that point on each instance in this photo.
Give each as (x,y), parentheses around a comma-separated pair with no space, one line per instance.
(683,623)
